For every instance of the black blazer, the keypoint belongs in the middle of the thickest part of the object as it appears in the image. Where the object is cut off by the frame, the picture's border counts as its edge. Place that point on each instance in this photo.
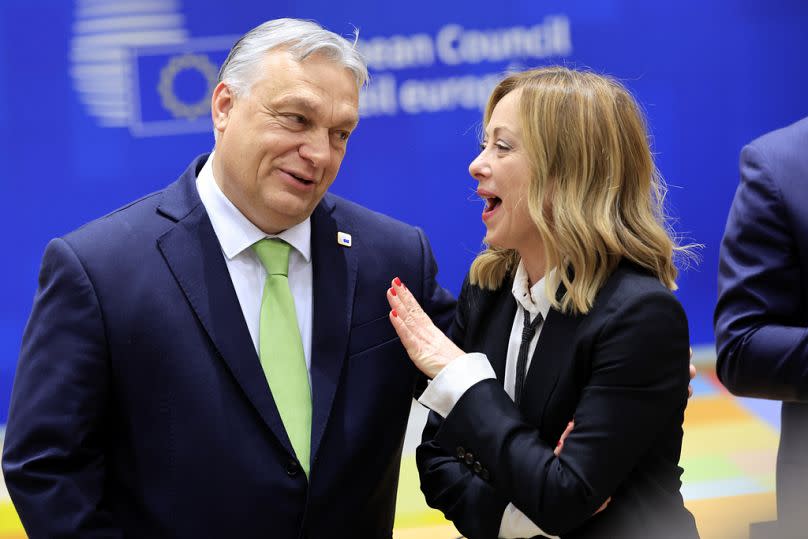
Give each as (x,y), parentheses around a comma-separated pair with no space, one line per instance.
(620,371)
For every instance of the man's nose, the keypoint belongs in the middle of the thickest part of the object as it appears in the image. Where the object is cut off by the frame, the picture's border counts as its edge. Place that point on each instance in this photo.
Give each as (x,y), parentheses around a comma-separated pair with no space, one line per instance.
(316,149)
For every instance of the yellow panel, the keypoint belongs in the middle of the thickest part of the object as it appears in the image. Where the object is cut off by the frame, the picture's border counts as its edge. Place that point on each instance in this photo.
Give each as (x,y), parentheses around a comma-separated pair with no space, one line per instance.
(710,410)
(726,438)
(729,517)
(10,525)
(430,532)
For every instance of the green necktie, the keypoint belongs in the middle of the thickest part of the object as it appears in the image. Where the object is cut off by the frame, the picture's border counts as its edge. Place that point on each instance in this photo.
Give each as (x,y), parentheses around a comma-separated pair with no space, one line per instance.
(280,348)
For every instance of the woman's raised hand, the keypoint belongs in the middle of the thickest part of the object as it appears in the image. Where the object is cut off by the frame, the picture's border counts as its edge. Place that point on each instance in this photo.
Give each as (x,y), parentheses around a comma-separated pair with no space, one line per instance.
(426,345)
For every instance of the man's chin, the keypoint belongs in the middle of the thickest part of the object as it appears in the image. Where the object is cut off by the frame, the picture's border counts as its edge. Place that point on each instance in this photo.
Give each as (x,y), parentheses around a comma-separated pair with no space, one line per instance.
(289,207)
(291,216)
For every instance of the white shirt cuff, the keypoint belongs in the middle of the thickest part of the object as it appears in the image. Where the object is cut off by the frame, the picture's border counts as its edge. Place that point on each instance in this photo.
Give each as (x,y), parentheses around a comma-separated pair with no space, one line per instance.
(515,525)
(456,378)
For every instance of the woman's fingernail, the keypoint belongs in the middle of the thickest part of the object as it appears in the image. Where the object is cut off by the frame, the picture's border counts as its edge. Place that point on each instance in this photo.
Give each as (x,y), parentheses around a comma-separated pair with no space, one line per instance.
(397,281)
(395,314)
(393,291)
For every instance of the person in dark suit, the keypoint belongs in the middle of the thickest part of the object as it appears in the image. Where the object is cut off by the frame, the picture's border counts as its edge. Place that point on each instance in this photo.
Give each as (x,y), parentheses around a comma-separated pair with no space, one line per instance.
(761,318)
(568,315)
(215,359)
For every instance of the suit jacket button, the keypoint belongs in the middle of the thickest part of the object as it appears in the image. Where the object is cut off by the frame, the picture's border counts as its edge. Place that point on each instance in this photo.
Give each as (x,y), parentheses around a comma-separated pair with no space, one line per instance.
(292,468)
(469,459)
(477,467)
(461,453)
(484,474)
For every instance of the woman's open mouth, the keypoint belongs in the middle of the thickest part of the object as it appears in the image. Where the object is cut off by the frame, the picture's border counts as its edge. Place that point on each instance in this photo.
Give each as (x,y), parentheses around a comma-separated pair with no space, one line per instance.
(491,205)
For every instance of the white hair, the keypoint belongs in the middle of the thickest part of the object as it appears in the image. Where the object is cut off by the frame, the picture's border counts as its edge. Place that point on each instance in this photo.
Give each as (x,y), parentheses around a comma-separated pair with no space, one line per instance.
(301,38)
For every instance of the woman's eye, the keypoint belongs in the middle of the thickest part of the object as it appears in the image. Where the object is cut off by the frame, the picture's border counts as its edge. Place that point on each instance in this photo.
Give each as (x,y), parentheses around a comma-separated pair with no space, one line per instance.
(502,147)
(483,144)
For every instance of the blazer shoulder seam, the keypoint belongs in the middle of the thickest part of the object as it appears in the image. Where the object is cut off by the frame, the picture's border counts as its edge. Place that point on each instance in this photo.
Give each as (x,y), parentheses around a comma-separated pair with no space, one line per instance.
(86,275)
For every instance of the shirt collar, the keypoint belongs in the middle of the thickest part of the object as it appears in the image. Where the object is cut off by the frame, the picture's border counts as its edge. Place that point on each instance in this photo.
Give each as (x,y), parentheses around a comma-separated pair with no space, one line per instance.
(535,299)
(234,231)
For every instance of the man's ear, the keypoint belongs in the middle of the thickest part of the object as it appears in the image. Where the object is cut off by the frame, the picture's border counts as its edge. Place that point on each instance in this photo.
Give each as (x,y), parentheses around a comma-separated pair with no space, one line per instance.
(221,103)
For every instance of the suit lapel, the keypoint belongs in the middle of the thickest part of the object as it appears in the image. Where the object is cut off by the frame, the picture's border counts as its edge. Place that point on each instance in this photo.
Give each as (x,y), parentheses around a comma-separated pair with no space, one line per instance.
(553,351)
(192,251)
(498,324)
(335,269)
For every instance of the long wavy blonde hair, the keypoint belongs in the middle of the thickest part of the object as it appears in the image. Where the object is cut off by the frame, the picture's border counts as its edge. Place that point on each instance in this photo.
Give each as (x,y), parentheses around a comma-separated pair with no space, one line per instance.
(595,194)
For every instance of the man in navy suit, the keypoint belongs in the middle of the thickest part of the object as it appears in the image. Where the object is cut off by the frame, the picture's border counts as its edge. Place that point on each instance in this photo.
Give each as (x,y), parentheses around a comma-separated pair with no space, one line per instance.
(761,319)
(141,407)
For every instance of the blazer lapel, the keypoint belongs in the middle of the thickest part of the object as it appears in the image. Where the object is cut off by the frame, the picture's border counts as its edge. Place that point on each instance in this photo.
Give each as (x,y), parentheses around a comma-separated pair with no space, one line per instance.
(498,324)
(553,351)
(334,281)
(192,251)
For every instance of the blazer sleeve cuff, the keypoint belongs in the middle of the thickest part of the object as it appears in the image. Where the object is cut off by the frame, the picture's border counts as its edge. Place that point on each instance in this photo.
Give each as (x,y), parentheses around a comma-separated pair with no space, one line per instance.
(515,524)
(454,380)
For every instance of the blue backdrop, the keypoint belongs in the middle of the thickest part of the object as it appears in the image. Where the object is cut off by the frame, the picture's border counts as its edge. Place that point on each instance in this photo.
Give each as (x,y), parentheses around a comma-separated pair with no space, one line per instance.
(105,100)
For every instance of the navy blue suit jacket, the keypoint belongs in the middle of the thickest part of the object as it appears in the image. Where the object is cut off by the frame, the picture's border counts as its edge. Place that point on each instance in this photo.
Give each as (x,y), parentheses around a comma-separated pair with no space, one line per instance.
(621,371)
(139,406)
(761,319)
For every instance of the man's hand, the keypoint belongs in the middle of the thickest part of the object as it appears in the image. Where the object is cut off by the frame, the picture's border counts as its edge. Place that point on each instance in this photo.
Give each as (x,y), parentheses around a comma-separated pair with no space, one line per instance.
(426,345)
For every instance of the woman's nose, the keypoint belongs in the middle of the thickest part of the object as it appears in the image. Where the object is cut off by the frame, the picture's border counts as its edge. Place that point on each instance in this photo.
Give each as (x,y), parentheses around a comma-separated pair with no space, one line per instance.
(479,168)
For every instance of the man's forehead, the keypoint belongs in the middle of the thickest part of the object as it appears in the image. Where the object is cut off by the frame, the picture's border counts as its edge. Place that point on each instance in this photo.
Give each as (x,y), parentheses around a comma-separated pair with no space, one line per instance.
(317,85)
(282,64)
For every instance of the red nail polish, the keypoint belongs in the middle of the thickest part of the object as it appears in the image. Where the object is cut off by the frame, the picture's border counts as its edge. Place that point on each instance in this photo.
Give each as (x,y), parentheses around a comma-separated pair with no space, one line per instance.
(393,291)
(395,314)
(558,444)
(397,281)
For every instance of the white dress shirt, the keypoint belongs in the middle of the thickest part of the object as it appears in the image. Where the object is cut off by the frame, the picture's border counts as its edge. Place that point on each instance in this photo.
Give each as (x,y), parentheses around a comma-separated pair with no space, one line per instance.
(456,378)
(236,234)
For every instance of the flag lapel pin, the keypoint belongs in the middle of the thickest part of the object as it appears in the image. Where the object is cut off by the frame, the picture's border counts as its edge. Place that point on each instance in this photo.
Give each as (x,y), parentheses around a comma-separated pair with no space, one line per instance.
(344,239)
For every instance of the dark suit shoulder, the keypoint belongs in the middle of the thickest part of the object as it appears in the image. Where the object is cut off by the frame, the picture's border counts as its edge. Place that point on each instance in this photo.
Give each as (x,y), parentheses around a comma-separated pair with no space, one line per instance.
(384,235)
(145,218)
(785,139)
(122,237)
(628,286)
(132,211)
(476,299)
(121,230)
(639,334)
(348,211)
(781,157)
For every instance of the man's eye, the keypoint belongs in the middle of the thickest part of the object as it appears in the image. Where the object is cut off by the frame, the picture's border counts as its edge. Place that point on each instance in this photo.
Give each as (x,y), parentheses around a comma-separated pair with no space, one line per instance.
(297,118)
(343,135)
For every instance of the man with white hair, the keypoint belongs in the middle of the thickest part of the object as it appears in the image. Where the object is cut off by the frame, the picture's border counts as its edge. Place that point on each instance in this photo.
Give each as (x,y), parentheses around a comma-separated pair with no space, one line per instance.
(215,359)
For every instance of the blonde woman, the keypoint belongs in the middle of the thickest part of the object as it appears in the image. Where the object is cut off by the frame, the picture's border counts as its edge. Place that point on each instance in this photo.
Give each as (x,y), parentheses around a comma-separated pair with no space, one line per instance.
(567,315)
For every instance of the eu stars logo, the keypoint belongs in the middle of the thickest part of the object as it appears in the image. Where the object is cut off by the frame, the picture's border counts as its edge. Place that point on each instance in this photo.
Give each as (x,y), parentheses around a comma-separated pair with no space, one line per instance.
(171,86)
(192,74)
